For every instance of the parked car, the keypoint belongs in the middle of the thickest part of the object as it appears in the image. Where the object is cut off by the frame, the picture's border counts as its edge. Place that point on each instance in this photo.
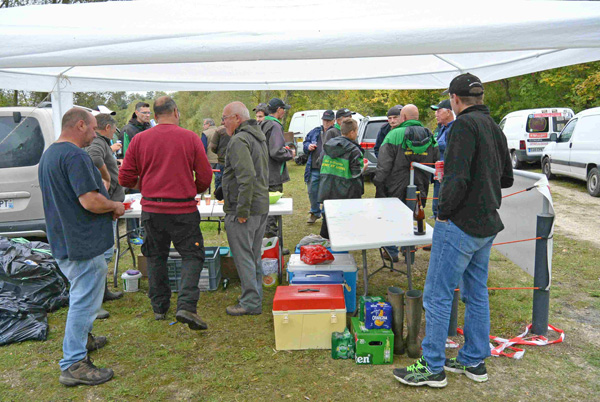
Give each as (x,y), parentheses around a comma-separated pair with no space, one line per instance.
(367,135)
(576,152)
(528,132)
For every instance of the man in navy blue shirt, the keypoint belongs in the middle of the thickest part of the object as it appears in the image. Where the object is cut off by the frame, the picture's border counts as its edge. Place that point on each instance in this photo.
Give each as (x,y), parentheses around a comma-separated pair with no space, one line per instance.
(445,118)
(79,218)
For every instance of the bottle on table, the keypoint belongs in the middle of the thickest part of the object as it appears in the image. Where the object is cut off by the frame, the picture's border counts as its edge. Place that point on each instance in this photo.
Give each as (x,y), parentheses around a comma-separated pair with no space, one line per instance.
(419,217)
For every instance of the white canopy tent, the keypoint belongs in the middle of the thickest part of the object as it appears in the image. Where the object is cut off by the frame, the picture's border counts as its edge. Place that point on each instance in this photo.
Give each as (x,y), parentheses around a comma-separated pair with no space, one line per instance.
(296,44)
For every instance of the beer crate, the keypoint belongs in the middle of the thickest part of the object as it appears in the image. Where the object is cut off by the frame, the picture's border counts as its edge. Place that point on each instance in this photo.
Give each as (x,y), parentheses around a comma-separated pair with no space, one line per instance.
(210,278)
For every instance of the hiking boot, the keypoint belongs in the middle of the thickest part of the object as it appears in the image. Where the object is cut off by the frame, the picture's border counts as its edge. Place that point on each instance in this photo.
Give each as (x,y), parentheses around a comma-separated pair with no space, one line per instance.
(85,373)
(239,310)
(102,314)
(419,374)
(95,342)
(476,373)
(312,218)
(136,241)
(193,320)
(109,296)
(160,316)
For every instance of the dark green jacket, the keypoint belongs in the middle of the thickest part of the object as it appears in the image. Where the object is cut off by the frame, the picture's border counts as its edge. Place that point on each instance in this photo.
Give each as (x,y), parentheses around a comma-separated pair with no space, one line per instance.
(130,130)
(409,142)
(341,170)
(246,177)
(278,154)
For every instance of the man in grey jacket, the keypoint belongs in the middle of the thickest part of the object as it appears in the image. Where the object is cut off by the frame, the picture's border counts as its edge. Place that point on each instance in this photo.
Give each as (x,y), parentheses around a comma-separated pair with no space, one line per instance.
(246,194)
(279,154)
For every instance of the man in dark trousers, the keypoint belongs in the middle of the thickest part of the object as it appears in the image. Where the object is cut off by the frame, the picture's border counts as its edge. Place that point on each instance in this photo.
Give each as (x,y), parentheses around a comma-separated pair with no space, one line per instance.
(476,167)
(169,165)
(279,154)
(79,217)
(246,194)
(313,147)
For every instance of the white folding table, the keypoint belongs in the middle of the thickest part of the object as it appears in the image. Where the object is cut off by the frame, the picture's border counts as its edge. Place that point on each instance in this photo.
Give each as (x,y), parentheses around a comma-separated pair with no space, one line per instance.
(371,223)
(285,206)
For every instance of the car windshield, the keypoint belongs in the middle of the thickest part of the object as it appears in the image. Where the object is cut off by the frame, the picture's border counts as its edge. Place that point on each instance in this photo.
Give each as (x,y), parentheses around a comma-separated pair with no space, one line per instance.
(372,130)
(20,144)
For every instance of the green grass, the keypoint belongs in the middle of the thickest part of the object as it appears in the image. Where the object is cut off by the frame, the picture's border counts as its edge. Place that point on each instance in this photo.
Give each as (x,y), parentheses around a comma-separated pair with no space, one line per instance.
(235,358)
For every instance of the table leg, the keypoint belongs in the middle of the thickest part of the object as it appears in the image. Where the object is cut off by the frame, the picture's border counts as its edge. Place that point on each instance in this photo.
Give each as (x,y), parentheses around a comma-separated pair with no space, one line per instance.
(408,267)
(365,273)
(280,235)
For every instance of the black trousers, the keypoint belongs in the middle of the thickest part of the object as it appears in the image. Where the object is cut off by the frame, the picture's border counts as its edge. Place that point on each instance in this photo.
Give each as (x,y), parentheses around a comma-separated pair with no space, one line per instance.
(184,231)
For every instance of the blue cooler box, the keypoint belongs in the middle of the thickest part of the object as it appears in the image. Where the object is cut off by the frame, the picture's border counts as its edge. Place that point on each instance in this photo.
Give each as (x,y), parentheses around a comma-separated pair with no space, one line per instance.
(318,278)
(297,251)
(342,262)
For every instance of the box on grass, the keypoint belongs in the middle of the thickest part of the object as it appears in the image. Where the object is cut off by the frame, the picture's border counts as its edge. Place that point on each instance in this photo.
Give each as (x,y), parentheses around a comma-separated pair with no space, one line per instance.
(210,278)
(341,262)
(142,265)
(304,317)
(373,346)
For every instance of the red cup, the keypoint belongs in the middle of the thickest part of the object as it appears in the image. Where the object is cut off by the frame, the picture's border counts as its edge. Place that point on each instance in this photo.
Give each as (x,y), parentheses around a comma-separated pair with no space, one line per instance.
(127,205)
(365,161)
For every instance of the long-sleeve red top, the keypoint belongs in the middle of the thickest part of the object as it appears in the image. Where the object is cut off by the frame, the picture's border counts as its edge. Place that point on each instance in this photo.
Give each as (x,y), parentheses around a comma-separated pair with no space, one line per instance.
(170,162)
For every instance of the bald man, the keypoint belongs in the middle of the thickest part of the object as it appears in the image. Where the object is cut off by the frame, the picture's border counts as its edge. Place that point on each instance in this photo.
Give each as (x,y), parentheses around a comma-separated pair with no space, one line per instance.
(246,193)
(407,143)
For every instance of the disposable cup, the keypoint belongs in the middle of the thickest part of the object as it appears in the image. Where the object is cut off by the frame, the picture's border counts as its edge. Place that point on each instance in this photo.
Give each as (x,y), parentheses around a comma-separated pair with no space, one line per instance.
(207,199)
(127,205)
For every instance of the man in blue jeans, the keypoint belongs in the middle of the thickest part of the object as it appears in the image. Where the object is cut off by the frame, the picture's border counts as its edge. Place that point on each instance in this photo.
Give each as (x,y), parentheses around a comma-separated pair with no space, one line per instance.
(477,166)
(445,118)
(79,217)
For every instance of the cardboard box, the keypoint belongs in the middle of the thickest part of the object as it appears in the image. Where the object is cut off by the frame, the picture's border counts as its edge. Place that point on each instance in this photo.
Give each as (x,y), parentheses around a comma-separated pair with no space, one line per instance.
(228,269)
(375,344)
(142,265)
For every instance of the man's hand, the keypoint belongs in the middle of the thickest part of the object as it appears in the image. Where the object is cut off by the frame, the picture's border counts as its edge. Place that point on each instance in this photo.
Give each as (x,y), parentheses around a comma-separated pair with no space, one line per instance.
(106,184)
(242,220)
(118,211)
(115,147)
(312,147)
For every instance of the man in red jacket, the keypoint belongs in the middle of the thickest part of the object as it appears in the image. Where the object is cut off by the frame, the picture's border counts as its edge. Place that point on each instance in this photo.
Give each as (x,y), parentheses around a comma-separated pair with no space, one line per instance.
(169,166)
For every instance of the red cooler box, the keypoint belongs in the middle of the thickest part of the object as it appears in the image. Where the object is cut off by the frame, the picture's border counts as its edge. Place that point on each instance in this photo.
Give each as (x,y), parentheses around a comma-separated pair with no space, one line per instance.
(305,316)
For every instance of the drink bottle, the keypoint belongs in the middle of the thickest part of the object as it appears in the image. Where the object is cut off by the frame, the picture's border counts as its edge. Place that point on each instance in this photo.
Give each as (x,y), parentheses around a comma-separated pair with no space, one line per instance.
(419,217)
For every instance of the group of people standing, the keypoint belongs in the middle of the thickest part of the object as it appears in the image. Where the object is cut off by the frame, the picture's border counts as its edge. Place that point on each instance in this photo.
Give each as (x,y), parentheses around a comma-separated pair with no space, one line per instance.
(170,165)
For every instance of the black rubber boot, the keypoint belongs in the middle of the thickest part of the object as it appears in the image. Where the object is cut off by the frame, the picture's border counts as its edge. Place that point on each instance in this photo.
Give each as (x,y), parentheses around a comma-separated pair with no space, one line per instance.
(414,311)
(395,297)
(108,295)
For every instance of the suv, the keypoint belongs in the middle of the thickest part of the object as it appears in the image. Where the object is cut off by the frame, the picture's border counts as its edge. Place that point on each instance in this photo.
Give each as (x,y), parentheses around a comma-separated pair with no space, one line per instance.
(576,152)
(367,135)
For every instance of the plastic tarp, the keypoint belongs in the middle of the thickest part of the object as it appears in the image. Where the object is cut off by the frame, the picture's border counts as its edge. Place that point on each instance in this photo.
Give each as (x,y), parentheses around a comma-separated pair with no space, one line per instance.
(296,44)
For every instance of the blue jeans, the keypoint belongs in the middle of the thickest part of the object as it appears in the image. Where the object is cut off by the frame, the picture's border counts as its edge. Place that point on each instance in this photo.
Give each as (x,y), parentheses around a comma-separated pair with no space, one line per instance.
(108,254)
(218,175)
(454,256)
(313,192)
(87,279)
(436,193)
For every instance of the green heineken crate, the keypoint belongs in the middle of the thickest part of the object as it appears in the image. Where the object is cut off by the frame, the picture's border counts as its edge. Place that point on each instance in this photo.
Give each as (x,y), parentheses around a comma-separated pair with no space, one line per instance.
(365,299)
(373,346)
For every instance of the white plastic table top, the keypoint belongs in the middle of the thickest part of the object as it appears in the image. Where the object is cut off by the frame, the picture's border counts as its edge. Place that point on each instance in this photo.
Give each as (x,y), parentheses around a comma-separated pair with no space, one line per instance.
(282,207)
(368,223)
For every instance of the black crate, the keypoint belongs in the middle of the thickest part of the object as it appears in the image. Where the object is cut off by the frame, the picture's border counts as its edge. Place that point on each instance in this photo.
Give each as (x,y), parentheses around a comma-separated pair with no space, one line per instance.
(210,278)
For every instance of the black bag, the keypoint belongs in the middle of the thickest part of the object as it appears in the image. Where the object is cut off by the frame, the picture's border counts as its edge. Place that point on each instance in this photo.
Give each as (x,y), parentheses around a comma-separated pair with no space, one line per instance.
(20,319)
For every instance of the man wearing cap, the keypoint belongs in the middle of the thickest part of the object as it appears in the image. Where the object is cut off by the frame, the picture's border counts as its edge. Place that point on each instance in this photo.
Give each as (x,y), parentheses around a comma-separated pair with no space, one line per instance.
(334,130)
(279,154)
(393,116)
(477,166)
(313,147)
(408,142)
(260,111)
(445,118)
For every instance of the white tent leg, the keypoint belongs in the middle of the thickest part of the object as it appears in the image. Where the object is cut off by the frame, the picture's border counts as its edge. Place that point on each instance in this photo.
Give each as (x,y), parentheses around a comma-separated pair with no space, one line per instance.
(61,102)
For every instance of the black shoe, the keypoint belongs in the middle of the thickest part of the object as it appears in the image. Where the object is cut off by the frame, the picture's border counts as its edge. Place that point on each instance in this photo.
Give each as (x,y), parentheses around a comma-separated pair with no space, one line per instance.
(476,373)
(418,375)
(109,296)
(102,314)
(95,342)
(85,373)
(191,319)
(285,251)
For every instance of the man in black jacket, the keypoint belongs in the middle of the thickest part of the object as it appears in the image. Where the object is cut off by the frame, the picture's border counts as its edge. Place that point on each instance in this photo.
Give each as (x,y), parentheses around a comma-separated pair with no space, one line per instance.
(476,167)
(393,116)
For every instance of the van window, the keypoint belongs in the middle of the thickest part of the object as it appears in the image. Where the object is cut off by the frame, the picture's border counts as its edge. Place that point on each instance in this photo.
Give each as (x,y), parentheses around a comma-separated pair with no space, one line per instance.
(560,122)
(566,134)
(372,130)
(537,124)
(25,144)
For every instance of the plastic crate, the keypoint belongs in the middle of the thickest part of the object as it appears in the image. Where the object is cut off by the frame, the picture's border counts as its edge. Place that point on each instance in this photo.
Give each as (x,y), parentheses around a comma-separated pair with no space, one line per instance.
(210,278)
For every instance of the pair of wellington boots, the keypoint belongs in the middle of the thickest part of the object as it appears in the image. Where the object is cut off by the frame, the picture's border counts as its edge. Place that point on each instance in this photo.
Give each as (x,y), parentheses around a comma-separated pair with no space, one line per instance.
(413,299)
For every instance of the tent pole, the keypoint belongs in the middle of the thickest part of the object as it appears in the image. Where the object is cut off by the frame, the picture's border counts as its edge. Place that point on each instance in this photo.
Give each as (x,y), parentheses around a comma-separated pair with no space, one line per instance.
(61,102)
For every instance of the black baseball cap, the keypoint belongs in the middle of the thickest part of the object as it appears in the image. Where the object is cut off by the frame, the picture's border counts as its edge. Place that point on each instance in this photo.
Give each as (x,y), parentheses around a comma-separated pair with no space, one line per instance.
(395,110)
(445,104)
(276,103)
(343,113)
(260,107)
(465,85)
(328,115)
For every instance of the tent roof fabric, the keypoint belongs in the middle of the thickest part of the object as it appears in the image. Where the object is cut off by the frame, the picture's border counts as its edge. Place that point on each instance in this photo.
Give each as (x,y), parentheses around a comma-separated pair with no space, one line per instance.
(297,44)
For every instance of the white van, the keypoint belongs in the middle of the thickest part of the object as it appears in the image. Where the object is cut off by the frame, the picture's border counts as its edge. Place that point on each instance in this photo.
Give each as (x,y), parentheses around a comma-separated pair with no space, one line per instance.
(528,132)
(304,121)
(576,152)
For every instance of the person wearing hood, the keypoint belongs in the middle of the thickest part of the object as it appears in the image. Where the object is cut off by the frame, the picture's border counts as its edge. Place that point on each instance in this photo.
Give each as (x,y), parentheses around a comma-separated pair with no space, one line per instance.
(407,143)
(246,194)
(342,168)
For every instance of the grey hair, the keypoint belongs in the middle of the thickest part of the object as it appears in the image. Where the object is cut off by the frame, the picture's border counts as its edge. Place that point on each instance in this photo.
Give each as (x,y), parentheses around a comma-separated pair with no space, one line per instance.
(209,121)
(104,120)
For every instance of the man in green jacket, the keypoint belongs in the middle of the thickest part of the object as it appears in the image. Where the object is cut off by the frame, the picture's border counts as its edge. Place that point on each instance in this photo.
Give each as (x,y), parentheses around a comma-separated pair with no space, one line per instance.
(246,194)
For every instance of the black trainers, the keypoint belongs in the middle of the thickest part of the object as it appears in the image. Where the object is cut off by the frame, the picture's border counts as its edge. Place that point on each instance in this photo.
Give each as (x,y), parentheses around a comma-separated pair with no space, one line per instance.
(418,375)
(85,373)
(95,342)
(476,373)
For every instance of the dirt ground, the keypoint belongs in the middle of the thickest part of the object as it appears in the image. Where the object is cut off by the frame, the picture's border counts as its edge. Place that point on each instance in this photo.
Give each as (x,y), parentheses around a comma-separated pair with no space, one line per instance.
(576,213)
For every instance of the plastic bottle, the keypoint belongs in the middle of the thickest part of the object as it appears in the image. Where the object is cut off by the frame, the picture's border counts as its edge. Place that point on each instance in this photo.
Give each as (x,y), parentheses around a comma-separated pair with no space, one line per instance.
(387,352)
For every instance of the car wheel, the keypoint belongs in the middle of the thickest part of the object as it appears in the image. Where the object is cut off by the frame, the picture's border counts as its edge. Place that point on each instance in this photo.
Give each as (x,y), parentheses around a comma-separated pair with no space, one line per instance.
(546,168)
(593,182)
(516,164)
